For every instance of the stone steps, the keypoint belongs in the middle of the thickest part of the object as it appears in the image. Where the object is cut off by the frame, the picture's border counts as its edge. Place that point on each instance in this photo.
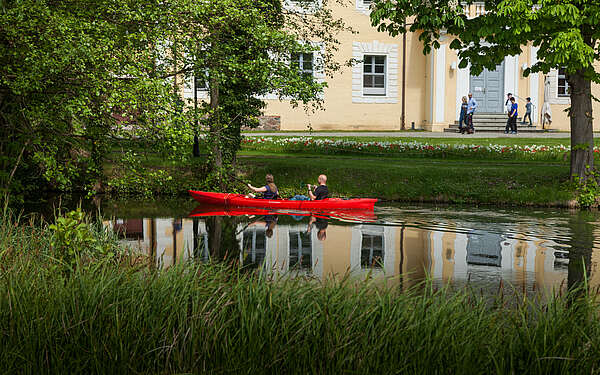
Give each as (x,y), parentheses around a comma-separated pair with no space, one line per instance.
(498,129)
(494,123)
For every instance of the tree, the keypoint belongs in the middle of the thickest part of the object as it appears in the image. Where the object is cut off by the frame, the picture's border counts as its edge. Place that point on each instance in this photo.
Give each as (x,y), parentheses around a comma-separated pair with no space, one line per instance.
(75,76)
(566,32)
(244,47)
(66,69)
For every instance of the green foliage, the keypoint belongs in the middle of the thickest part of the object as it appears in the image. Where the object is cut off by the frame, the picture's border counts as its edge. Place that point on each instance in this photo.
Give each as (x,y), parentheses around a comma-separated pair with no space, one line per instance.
(132,178)
(66,68)
(74,237)
(562,31)
(213,318)
(242,49)
(73,76)
(588,188)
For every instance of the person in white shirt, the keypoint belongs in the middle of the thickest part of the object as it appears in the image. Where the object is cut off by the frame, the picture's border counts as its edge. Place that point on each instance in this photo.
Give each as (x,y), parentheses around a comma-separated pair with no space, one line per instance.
(508,109)
(471,107)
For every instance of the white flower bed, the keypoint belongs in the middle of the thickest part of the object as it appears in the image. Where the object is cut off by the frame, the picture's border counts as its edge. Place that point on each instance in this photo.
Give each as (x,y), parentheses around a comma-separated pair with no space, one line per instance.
(401,146)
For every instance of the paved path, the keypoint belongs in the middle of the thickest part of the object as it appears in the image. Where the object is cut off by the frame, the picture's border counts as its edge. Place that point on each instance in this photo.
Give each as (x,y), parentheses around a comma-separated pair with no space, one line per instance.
(412,134)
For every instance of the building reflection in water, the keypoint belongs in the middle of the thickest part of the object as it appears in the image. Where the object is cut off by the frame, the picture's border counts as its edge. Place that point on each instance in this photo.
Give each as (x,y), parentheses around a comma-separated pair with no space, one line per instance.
(447,253)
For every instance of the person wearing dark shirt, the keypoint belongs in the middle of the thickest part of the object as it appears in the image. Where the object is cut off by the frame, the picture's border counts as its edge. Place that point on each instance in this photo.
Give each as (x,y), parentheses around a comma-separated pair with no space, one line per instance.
(321,191)
(513,115)
(462,119)
(528,112)
(269,190)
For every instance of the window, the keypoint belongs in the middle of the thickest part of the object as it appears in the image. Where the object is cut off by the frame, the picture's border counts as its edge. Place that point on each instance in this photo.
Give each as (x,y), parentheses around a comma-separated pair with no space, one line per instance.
(130,229)
(254,247)
(371,251)
(563,85)
(304,62)
(304,5)
(202,82)
(300,250)
(465,8)
(364,6)
(374,75)
(480,10)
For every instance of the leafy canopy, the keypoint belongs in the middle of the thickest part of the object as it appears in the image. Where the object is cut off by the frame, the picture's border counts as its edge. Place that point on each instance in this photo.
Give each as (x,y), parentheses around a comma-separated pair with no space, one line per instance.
(74,76)
(566,32)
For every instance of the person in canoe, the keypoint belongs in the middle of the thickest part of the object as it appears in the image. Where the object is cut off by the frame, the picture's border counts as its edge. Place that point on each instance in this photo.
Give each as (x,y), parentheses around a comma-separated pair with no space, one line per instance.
(269,191)
(320,191)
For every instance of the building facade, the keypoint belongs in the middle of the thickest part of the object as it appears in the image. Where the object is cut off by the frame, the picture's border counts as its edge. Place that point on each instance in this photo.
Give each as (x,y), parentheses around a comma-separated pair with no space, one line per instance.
(368,95)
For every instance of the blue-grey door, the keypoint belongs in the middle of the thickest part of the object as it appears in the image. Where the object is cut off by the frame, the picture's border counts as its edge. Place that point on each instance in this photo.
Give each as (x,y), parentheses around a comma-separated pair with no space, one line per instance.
(488,90)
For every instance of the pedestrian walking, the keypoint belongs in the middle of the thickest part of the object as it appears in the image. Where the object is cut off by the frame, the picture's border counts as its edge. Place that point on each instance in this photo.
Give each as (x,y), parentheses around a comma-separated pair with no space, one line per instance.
(462,119)
(471,107)
(513,116)
(508,109)
(528,106)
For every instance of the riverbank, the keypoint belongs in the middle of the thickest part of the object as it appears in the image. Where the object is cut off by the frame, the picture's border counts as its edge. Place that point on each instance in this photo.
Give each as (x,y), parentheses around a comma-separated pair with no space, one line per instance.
(420,180)
(488,171)
(118,314)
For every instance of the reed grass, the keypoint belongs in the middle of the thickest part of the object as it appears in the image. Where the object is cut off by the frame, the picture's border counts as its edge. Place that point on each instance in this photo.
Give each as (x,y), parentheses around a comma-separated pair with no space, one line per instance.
(117,317)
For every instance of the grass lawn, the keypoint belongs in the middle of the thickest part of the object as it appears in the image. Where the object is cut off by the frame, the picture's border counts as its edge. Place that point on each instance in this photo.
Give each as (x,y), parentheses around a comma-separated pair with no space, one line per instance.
(426,180)
(460,177)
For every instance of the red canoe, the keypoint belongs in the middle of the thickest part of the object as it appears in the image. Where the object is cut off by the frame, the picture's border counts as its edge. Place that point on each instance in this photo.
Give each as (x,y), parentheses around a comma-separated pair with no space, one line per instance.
(239,200)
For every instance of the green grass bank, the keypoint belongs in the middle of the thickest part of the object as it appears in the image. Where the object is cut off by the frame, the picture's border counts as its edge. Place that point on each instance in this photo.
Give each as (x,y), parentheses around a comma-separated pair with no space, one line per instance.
(110,315)
(516,172)
(420,180)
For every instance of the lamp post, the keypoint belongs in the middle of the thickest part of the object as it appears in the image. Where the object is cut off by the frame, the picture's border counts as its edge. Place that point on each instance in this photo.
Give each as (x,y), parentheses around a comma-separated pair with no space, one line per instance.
(196,151)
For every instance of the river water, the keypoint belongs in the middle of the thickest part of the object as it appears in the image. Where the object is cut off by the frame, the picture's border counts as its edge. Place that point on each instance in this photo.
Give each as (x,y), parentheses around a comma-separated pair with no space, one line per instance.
(485,247)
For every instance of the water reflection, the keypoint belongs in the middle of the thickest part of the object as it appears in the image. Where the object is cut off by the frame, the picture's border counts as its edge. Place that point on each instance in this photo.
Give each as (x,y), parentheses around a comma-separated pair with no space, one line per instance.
(529,252)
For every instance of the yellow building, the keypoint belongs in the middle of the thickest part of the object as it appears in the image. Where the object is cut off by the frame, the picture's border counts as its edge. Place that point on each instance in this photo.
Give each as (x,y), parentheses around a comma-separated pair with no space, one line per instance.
(368,96)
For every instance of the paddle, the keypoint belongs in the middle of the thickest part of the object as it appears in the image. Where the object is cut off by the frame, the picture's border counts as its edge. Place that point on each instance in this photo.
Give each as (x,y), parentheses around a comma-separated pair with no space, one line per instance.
(239,180)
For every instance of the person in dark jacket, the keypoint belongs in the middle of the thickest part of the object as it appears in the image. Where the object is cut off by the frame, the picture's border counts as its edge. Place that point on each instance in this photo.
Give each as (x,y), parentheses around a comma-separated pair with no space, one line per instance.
(462,119)
(514,112)
(269,190)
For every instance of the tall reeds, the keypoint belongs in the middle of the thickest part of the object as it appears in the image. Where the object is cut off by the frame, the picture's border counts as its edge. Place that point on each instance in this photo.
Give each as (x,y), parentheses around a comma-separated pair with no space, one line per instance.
(113,317)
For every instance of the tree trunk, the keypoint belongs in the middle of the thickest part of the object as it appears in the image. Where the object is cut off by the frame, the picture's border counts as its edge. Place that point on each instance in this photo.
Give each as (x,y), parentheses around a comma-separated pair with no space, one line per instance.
(214,227)
(215,129)
(582,136)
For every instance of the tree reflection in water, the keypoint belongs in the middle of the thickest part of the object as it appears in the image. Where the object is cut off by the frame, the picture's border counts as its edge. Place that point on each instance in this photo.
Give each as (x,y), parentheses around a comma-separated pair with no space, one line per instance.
(582,245)
(222,240)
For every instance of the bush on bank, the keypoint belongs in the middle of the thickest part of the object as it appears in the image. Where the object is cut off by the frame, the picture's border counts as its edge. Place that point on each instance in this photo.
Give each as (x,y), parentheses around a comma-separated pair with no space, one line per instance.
(117,317)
